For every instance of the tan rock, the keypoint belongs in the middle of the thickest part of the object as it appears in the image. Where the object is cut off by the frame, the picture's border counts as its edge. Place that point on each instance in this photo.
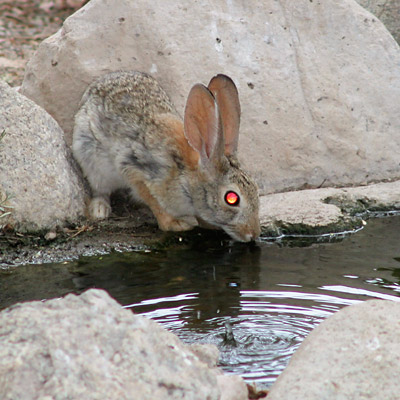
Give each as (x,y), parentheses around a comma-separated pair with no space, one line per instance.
(388,11)
(232,387)
(88,347)
(36,173)
(326,208)
(319,81)
(305,207)
(354,354)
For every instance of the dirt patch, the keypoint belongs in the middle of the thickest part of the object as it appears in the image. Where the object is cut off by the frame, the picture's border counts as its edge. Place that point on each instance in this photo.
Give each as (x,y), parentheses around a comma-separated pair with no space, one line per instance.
(92,239)
(129,228)
(24,24)
(71,243)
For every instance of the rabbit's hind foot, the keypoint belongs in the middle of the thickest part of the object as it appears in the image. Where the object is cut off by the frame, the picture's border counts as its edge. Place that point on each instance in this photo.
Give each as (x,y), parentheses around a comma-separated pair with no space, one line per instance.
(99,208)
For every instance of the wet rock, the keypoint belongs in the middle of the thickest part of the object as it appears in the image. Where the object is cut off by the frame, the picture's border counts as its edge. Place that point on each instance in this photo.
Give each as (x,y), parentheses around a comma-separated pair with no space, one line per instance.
(319,82)
(354,354)
(89,347)
(305,208)
(326,210)
(388,11)
(36,175)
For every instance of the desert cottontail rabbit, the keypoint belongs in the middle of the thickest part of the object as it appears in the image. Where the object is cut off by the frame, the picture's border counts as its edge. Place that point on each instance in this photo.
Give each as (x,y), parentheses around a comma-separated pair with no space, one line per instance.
(128,134)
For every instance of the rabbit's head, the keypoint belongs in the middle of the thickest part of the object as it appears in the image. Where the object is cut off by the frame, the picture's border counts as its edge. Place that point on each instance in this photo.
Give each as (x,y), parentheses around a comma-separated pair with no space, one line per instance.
(223,195)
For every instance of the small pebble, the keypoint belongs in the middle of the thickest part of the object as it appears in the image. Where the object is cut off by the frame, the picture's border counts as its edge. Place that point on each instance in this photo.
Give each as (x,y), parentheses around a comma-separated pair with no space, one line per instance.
(50,235)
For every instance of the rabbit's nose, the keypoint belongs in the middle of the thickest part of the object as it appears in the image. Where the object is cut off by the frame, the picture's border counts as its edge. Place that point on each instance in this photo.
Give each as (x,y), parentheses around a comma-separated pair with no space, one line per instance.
(255,235)
(255,230)
(251,234)
(248,237)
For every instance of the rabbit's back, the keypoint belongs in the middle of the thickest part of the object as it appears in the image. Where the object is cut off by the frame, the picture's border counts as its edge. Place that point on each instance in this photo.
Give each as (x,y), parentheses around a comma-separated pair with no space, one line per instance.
(127,130)
(121,119)
(126,104)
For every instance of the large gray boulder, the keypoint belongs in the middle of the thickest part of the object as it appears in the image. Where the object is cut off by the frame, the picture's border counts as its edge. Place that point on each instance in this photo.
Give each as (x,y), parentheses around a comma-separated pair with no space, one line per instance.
(36,174)
(354,354)
(89,347)
(319,81)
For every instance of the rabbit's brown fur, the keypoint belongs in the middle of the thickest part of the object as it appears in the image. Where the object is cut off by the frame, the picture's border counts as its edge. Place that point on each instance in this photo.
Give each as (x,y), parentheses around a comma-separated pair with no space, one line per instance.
(128,134)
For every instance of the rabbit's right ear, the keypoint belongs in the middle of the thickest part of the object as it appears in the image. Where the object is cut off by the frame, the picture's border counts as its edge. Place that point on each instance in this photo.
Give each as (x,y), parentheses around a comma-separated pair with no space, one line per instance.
(227,97)
(202,124)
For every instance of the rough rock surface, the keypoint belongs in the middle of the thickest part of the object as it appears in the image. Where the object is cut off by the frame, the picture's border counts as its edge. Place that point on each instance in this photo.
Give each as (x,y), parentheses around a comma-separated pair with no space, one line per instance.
(319,81)
(305,207)
(388,11)
(89,347)
(35,169)
(326,210)
(354,354)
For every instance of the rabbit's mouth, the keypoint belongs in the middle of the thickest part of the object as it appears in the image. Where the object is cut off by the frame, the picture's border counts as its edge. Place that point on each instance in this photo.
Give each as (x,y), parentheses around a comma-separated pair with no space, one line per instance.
(240,233)
(243,233)
(245,237)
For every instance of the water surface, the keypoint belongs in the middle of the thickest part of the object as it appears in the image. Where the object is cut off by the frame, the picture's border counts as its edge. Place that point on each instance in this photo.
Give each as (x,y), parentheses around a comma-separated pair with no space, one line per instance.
(271,294)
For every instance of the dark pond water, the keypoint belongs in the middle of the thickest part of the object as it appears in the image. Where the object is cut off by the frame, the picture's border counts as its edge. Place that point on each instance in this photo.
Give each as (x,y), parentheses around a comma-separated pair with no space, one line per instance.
(271,294)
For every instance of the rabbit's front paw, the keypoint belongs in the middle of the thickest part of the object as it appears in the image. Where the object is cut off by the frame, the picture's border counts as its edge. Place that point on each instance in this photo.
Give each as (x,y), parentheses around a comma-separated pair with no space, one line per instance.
(99,208)
(168,223)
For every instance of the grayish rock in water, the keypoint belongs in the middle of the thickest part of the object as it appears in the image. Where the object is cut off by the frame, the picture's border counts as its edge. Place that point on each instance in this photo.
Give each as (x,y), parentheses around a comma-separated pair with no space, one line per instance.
(354,354)
(88,347)
(327,208)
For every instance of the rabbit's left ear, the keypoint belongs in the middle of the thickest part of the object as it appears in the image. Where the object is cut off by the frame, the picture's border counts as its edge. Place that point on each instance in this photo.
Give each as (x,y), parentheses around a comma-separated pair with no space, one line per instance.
(227,98)
(202,124)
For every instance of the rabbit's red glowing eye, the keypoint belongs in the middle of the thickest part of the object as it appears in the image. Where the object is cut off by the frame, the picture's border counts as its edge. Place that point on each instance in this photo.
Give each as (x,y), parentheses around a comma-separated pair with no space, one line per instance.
(232,198)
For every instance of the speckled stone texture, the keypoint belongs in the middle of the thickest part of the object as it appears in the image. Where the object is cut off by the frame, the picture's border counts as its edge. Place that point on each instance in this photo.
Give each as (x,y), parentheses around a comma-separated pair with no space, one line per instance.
(89,347)
(328,209)
(388,11)
(318,81)
(36,169)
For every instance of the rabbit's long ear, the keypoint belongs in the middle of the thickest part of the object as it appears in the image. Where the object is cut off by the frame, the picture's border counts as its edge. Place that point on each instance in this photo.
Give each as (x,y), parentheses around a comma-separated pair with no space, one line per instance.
(202,125)
(227,97)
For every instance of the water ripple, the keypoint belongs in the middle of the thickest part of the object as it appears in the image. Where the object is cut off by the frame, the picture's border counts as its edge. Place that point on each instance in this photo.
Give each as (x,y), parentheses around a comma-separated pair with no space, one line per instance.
(267,327)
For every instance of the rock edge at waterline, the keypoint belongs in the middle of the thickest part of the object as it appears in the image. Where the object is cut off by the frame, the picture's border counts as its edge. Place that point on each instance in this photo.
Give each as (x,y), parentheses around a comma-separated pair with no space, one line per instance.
(89,347)
(353,354)
(327,210)
(305,212)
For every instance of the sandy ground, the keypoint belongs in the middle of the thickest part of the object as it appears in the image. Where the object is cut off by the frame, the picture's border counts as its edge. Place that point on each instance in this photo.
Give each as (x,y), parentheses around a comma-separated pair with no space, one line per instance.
(23,25)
